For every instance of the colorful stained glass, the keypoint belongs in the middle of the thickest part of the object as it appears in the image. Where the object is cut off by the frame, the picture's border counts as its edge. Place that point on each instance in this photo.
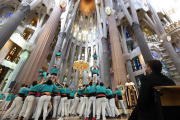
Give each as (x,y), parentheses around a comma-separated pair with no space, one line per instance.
(9,14)
(155,55)
(127,34)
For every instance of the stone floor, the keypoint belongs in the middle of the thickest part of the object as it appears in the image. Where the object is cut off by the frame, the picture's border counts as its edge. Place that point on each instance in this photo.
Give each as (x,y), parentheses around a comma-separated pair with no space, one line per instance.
(77,118)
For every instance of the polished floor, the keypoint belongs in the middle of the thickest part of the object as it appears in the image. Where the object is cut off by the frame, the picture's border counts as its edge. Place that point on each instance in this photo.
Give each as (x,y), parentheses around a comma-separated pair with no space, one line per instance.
(77,118)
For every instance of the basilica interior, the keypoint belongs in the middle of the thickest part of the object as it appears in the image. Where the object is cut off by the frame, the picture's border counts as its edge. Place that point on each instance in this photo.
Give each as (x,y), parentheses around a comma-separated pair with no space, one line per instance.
(124,34)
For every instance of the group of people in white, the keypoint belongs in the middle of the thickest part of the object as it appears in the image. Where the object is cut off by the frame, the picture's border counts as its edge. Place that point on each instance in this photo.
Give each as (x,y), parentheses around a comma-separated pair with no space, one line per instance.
(40,97)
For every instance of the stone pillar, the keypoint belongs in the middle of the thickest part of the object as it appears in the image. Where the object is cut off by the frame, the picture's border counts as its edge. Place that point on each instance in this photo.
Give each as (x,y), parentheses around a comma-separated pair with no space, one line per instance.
(131,73)
(79,57)
(137,31)
(100,44)
(11,25)
(61,43)
(3,82)
(117,57)
(169,48)
(106,64)
(17,70)
(58,46)
(37,31)
(65,61)
(38,55)
(72,58)
(142,42)
(6,49)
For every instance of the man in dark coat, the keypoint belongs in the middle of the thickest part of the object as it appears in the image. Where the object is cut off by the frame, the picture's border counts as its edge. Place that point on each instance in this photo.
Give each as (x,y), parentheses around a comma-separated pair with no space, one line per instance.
(146,108)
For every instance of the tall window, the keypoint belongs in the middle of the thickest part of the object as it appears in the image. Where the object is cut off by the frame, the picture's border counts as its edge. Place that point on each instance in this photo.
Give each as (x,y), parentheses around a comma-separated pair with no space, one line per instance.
(11,54)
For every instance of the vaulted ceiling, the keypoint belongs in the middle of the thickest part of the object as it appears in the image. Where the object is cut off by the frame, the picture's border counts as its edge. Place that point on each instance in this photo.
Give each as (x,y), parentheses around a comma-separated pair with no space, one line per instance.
(87,7)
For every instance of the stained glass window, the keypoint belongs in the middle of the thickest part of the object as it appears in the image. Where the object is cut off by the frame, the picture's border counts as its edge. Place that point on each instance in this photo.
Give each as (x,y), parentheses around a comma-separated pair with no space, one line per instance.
(9,14)
(136,64)
(127,34)
(155,55)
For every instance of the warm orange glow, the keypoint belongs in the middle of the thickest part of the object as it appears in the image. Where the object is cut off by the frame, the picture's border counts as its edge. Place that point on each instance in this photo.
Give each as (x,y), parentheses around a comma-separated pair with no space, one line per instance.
(87,7)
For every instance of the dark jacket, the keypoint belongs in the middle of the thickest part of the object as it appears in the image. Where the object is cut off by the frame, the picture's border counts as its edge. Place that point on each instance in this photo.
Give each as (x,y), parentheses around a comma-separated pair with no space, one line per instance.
(146,108)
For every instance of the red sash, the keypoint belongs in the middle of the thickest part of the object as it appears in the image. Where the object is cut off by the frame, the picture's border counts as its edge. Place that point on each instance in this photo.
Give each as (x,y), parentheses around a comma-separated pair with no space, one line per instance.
(101,95)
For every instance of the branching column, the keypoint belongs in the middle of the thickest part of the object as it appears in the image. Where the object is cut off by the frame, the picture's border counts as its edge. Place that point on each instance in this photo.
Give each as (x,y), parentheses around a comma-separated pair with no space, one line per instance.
(137,30)
(72,58)
(106,65)
(117,57)
(63,70)
(17,70)
(79,57)
(169,48)
(11,25)
(125,52)
(62,35)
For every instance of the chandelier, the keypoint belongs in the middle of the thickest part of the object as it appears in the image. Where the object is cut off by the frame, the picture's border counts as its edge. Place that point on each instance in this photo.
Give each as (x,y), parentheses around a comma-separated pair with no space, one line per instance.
(81,65)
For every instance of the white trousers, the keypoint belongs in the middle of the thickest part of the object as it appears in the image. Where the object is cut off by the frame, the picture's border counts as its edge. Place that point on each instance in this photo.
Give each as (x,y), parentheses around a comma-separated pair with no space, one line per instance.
(56,100)
(49,109)
(5,105)
(122,106)
(27,106)
(113,107)
(16,104)
(101,104)
(85,103)
(76,101)
(64,106)
(43,103)
(80,104)
(57,61)
(92,100)
(59,108)
(109,112)
(70,103)
(35,107)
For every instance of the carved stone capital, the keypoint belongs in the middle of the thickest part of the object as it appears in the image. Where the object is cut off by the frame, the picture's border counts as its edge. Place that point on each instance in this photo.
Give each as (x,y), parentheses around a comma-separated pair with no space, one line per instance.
(24,7)
(62,35)
(104,40)
(135,25)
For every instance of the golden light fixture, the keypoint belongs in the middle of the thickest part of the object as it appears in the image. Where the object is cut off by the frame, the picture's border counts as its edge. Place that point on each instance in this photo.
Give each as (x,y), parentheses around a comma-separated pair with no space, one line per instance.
(81,65)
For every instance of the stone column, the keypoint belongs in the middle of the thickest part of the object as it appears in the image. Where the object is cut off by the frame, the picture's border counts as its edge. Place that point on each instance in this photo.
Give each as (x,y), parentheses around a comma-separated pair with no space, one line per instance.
(100,44)
(117,57)
(86,57)
(3,81)
(169,48)
(106,64)
(142,42)
(10,26)
(17,70)
(79,57)
(63,70)
(37,31)
(72,58)
(6,49)
(128,62)
(38,55)
(137,30)
(60,45)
